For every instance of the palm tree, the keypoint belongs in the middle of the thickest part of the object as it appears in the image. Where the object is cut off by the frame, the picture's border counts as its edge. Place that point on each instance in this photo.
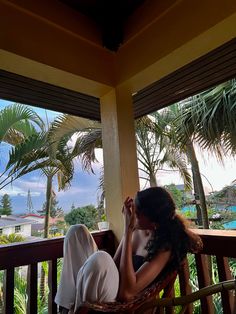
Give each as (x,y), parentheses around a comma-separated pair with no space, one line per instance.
(172,116)
(17,122)
(208,119)
(88,137)
(35,154)
(152,152)
(154,149)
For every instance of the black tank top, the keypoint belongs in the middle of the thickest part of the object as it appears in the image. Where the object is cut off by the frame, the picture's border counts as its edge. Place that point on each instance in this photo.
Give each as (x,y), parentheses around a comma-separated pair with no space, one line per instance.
(138,261)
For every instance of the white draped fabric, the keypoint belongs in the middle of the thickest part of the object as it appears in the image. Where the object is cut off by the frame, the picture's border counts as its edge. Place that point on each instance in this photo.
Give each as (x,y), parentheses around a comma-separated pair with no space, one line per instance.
(88,275)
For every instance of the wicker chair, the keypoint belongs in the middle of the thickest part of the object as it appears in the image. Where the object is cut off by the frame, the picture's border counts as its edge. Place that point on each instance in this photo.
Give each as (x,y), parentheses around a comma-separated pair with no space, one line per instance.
(131,306)
(183,301)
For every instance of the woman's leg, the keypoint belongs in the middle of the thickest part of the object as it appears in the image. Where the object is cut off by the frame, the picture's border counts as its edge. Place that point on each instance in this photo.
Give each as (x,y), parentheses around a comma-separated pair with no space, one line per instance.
(97,280)
(78,246)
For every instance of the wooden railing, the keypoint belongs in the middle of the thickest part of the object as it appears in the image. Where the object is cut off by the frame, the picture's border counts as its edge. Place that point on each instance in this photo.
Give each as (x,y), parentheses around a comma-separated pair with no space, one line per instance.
(222,245)
(32,253)
(219,243)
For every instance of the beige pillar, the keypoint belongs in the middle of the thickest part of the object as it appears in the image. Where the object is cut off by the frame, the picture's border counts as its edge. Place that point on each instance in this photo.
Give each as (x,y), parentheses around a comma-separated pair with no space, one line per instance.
(119,150)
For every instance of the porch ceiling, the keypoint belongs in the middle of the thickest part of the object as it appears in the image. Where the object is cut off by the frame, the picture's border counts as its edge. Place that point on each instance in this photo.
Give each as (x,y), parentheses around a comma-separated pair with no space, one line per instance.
(109,16)
(84,48)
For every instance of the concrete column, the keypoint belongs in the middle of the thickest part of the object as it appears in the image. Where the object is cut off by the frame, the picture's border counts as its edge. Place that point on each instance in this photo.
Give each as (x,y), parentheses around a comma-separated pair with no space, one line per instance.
(119,150)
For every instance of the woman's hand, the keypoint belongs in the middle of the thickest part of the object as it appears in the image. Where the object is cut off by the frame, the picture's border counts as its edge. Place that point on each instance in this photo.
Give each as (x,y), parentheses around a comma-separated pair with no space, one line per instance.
(129,214)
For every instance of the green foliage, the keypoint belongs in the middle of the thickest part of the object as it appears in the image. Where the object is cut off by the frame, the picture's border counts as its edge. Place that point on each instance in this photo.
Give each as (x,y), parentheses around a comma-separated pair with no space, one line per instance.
(189,213)
(61,227)
(11,238)
(103,217)
(224,216)
(86,215)
(20,294)
(17,121)
(6,208)
(177,195)
(210,118)
(55,210)
(226,196)
(215,279)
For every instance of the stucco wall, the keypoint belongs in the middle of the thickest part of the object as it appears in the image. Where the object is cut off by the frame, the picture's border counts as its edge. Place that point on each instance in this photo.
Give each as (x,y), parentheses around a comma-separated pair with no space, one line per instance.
(25,230)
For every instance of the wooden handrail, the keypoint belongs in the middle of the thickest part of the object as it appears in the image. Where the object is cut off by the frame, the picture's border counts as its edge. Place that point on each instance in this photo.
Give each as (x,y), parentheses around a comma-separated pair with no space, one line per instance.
(214,242)
(25,253)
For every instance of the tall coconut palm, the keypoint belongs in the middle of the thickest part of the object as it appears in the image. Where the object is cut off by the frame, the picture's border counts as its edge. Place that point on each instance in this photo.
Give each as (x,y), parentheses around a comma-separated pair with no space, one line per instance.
(35,154)
(154,149)
(171,116)
(209,119)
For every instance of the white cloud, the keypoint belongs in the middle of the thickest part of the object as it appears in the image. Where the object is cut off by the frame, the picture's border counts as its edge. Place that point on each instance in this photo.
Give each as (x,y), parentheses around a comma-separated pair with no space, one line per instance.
(21,186)
(17,191)
(72,191)
(99,155)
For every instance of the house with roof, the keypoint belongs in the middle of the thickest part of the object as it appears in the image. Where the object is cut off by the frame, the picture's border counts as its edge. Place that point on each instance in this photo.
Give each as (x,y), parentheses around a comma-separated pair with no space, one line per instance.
(12,224)
(34,218)
(37,226)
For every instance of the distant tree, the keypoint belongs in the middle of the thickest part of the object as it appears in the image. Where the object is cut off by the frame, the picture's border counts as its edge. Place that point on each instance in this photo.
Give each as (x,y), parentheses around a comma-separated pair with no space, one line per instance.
(55,210)
(72,206)
(61,227)
(226,196)
(176,194)
(86,215)
(6,208)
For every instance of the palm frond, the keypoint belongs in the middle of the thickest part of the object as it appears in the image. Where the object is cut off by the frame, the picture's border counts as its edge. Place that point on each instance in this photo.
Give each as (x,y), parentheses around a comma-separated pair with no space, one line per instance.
(34,147)
(174,160)
(210,118)
(66,125)
(13,116)
(85,146)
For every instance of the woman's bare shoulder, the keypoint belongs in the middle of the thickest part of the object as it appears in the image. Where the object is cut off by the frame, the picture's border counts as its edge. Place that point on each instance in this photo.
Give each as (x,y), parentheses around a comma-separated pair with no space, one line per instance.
(139,241)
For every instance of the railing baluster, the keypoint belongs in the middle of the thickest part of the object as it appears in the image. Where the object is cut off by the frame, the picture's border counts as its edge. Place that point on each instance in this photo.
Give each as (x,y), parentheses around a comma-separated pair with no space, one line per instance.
(32,288)
(185,287)
(225,274)
(202,263)
(52,283)
(8,291)
(170,309)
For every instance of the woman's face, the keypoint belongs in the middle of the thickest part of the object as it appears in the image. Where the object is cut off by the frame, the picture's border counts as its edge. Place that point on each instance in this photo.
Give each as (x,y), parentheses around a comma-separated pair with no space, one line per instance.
(142,221)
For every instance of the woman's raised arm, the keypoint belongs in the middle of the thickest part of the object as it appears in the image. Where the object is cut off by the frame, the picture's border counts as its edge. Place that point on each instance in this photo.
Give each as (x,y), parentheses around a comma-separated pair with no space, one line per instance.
(132,282)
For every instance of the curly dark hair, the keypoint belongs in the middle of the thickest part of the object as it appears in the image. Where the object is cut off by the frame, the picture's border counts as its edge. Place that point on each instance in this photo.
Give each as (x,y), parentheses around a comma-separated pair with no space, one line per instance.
(172,232)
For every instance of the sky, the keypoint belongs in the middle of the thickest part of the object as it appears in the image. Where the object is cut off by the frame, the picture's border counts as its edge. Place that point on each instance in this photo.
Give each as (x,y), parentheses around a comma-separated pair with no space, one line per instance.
(84,187)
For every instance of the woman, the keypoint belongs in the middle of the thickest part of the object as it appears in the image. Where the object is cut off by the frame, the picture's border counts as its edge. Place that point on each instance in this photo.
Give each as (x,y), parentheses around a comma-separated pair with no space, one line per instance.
(155,242)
